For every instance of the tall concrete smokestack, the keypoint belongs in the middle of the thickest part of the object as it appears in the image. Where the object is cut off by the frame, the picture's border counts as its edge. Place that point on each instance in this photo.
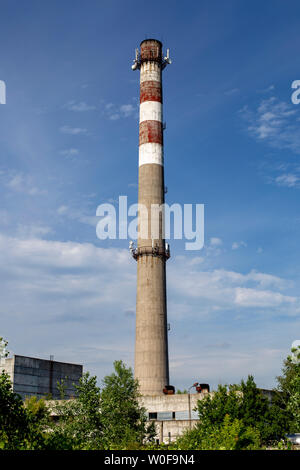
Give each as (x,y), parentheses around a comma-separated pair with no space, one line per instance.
(151,344)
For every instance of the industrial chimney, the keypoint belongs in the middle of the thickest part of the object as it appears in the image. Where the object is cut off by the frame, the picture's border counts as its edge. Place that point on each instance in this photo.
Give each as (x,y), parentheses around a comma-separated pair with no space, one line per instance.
(151,344)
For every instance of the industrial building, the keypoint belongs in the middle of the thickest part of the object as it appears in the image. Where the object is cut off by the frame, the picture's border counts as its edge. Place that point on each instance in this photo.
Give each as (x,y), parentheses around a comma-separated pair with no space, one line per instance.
(32,376)
(172,414)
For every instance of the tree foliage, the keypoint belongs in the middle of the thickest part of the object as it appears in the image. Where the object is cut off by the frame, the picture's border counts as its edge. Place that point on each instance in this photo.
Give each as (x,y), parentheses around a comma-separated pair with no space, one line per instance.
(108,419)
(288,392)
(124,419)
(234,417)
(290,370)
(293,405)
(14,423)
(20,426)
(245,403)
(78,421)
(230,434)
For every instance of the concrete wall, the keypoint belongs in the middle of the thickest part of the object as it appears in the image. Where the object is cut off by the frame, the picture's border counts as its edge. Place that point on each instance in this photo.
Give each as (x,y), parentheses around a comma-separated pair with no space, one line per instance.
(171,413)
(168,431)
(8,366)
(32,376)
(175,403)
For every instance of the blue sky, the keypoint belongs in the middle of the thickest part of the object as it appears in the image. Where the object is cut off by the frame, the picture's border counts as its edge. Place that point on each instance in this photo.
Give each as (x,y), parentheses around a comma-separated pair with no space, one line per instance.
(69,142)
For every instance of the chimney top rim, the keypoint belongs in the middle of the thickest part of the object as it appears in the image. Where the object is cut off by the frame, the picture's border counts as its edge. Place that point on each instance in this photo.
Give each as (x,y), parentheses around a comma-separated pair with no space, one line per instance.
(151,39)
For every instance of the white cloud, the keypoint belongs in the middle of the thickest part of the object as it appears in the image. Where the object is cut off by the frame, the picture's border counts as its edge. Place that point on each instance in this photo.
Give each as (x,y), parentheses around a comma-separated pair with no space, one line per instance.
(69,152)
(33,231)
(75,299)
(246,297)
(78,263)
(87,219)
(267,89)
(219,289)
(60,254)
(237,245)
(282,174)
(79,214)
(4,217)
(290,180)
(62,209)
(72,130)
(114,112)
(232,91)
(17,182)
(127,110)
(274,122)
(24,184)
(227,364)
(214,241)
(82,217)
(69,298)
(80,106)
(196,260)
(40,268)
(267,280)
(114,117)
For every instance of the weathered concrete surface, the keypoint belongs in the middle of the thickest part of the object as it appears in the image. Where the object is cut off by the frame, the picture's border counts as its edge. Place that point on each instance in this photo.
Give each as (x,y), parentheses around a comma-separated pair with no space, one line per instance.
(151,345)
(32,376)
(168,431)
(177,402)
(171,413)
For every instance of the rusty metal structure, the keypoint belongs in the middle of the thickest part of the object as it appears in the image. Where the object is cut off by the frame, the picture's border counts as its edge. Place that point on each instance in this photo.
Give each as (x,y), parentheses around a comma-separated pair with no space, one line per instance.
(151,345)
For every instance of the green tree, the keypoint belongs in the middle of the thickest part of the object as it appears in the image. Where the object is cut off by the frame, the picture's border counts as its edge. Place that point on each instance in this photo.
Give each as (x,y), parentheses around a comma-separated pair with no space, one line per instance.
(38,415)
(285,404)
(37,410)
(244,402)
(78,423)
(293,404)
(255,411)
(21,425)
(231,434)
(124,419)
(290,370)
(14,421)
(213,408)
(61,387)
(108,419)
